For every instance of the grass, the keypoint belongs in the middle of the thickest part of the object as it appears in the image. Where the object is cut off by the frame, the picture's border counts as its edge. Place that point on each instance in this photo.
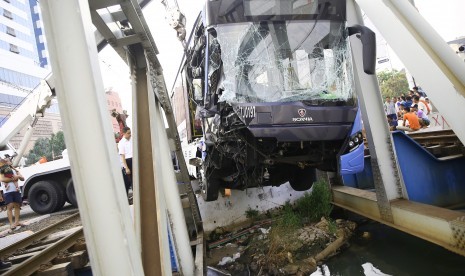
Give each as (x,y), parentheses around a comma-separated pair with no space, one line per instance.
(251,214)
(288,220)
(311,207)
(316,204)
(332,226)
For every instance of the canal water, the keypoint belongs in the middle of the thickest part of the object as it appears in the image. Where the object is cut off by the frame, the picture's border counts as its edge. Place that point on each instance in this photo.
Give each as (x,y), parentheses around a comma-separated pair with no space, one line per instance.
(387,251)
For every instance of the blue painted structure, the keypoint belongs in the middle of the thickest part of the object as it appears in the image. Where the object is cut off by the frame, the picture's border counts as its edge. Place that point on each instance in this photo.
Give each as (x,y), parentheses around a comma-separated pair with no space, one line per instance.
(427,179)
(361,180)
(174,266)
(352,162)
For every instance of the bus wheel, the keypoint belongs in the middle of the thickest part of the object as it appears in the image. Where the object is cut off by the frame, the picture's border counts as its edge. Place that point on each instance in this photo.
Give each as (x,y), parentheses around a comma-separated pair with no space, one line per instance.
(71,193)
(211,185)
(303,179)
(44,197)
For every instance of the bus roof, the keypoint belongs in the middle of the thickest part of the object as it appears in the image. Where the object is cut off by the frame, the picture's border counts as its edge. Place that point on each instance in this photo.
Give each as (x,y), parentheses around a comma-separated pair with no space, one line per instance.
(235,11)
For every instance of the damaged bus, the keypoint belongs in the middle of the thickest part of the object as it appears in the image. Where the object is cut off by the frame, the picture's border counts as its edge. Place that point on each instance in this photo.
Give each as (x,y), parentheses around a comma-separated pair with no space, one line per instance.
(269,88)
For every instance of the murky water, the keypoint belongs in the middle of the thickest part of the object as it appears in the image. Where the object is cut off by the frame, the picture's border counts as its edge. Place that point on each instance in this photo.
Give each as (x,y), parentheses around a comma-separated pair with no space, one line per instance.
(390,252)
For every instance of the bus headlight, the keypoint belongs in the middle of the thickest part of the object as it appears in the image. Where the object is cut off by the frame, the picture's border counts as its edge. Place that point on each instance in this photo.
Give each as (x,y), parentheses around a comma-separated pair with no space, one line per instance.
(355,141)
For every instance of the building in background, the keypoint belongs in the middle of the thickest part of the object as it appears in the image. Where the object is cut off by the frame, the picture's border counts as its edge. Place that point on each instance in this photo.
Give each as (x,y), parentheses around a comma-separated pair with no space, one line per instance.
(50,123)
(39,34)
(20,69)
(113,102)
(23,64)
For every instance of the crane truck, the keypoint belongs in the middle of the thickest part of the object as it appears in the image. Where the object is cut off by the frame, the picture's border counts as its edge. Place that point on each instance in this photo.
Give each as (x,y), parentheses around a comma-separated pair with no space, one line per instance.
(46,187)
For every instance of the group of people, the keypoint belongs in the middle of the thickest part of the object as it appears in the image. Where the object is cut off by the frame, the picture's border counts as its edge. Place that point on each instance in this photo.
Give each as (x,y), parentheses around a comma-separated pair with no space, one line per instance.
(412,110)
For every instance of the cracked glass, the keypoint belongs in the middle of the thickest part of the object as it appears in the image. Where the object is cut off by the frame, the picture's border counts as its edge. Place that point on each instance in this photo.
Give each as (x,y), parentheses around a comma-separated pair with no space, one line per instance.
(283,61)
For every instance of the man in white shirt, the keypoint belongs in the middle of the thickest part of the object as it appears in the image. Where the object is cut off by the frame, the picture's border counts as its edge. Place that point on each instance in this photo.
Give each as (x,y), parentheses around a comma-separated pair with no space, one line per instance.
(125,152)
(390,110)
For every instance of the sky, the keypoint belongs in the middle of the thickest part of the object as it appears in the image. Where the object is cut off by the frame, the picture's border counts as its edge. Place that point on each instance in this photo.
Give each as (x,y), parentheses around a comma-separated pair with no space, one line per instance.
(445,16)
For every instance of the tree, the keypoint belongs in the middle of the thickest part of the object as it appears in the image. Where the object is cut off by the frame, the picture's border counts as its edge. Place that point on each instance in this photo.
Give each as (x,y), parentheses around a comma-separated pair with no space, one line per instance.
(57,143)
(41,148)
(392,83)
(48,147)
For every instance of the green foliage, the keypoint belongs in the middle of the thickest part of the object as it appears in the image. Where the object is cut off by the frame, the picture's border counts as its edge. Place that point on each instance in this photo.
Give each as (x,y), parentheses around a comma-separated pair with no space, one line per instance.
(289,219)
(48,147)
(332,226)
(58,143)
(392,83)
(251,213)
(41,148)
(316,204)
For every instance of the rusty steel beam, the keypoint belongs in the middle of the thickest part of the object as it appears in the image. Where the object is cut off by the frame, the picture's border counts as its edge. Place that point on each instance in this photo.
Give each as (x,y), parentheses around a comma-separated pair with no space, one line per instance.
(32,264)
(441,226)
(36,236)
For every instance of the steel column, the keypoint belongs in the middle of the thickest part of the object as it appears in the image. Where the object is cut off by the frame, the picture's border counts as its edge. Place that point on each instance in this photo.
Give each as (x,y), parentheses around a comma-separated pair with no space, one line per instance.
(167,182)
(144,172)
(385,170)
(86,121)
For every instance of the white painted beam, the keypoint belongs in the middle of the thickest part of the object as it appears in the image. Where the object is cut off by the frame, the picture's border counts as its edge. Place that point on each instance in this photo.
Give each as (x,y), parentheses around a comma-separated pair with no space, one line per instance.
(166,182)
(374,118)
(95,165)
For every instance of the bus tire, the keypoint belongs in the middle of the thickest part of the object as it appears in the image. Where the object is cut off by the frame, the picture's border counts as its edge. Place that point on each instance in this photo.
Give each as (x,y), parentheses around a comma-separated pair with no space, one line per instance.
(303,179)
(71,193)
(43,197)
(211,186)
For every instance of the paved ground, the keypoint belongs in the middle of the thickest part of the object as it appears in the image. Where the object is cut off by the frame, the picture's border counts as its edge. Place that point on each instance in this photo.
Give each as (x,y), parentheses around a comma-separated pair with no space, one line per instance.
(27,214)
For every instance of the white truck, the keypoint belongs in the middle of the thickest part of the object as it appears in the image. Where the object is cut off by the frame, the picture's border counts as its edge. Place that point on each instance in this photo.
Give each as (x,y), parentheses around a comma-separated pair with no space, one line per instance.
(47,186)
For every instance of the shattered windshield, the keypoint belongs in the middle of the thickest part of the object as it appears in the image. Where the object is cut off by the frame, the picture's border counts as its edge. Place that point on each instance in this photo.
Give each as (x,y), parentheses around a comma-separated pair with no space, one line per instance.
(283,61)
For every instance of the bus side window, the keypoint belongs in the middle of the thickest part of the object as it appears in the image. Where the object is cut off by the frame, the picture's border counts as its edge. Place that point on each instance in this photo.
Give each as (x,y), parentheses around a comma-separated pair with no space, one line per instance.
(214,65)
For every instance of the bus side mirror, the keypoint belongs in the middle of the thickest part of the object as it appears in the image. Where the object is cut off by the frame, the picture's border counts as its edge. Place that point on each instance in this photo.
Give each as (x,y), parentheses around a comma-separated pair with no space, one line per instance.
(368,38)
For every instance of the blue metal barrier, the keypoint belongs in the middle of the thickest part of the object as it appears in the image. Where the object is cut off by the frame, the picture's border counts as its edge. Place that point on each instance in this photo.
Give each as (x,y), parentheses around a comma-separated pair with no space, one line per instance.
(427,179)
(361,180)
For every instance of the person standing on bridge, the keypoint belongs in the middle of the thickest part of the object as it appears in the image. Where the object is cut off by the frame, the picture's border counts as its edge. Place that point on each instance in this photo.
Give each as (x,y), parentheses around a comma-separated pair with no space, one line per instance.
(125,152)
(390,109)
(9,177)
